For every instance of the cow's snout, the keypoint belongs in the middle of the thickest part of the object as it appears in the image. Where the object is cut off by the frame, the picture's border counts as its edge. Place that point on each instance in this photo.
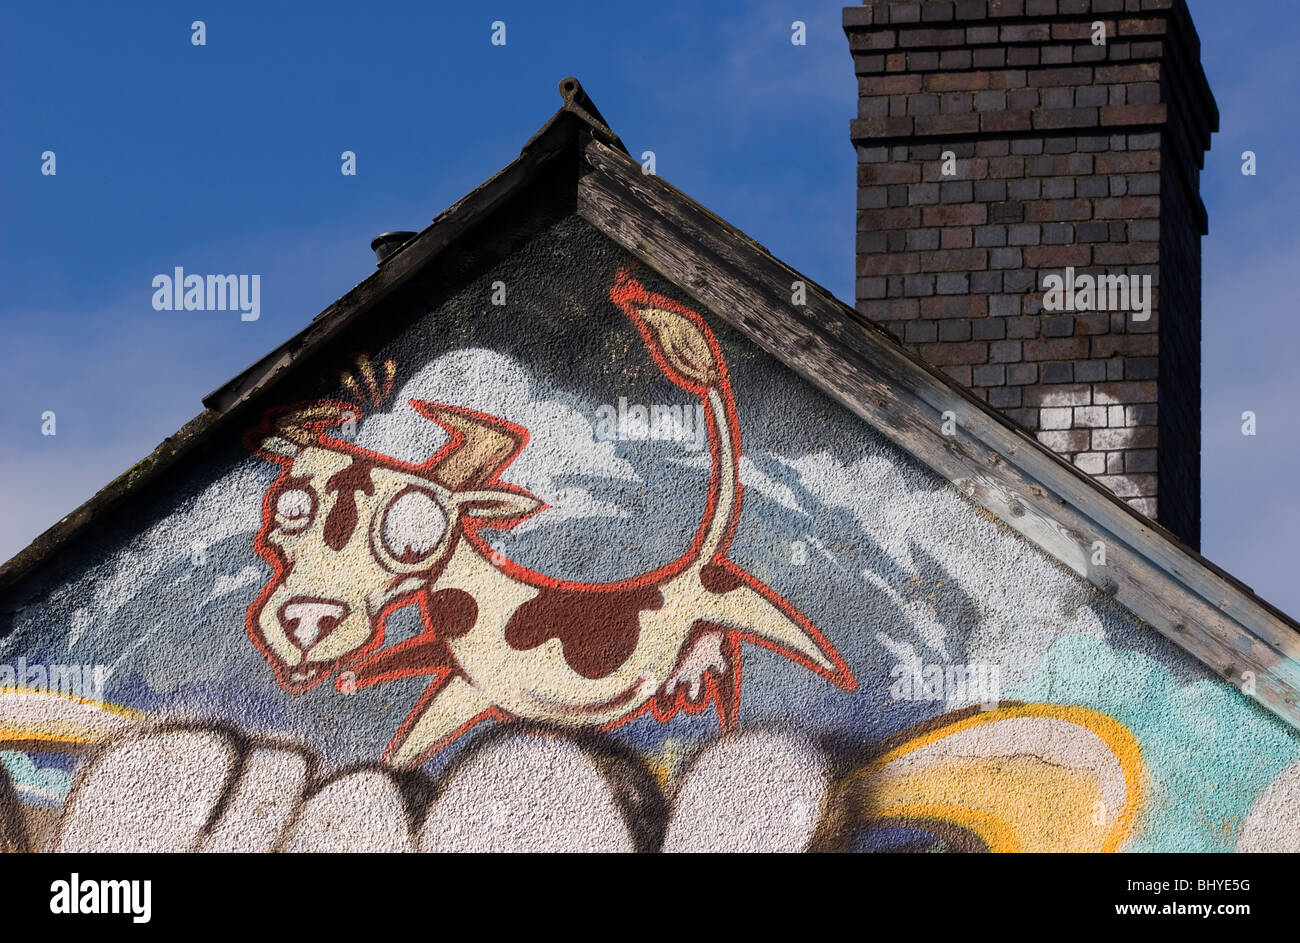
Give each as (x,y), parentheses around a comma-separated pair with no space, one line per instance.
(308,621)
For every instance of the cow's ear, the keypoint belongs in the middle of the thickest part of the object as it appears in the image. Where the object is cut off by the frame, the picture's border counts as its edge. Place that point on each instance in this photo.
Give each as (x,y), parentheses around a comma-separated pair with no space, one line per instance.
(277,446)
(498,505)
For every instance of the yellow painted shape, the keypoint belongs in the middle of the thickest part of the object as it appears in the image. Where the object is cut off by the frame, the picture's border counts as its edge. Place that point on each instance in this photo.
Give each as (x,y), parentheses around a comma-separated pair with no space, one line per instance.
(62,722)
(1012,802)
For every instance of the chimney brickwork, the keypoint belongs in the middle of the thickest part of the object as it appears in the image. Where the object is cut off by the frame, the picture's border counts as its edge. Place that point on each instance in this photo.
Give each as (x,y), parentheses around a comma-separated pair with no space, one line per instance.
(1068,155)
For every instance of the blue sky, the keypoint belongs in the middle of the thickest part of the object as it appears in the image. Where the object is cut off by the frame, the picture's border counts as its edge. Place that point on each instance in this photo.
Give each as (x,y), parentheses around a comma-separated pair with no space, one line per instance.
(225,158)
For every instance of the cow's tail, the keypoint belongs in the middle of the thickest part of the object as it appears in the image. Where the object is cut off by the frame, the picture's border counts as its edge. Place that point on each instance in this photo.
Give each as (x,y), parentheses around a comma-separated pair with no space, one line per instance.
(688,354)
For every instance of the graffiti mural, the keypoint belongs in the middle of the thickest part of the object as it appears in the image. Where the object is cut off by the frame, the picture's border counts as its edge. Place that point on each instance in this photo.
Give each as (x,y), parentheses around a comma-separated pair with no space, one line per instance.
(592,571)
(351,534)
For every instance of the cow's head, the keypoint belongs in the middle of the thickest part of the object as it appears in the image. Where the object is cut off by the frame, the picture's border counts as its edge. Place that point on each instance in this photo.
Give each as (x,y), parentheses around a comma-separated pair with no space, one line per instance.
(351,533)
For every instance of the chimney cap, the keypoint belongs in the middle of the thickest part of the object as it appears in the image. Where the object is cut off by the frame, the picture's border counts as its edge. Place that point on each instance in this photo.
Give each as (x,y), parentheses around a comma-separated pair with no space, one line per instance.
(387,243)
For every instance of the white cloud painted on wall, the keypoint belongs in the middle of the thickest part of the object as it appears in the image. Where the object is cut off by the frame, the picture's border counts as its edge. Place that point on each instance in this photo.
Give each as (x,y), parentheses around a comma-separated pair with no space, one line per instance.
(562,441)
(897,507)
(229,506)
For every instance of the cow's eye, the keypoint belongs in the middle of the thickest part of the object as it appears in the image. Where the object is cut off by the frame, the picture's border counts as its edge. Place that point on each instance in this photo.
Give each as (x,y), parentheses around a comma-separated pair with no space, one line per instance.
(413,526)
(294,509)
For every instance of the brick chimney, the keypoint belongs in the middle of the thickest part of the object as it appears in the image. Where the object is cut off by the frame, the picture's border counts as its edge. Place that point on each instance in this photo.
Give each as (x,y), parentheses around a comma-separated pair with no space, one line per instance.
(1066,154)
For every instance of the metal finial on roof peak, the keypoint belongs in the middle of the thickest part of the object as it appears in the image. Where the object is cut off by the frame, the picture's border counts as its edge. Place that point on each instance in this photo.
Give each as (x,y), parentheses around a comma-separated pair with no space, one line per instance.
(571,89)
(578,102)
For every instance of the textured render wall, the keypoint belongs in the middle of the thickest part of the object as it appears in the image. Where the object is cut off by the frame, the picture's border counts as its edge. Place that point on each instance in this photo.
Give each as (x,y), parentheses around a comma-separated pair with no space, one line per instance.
(794,625)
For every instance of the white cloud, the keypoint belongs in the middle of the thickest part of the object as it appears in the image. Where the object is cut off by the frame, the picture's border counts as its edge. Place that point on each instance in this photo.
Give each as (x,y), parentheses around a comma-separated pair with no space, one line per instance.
(562,441)
(225,585)
(230,505)
(752,477)
(1017,591)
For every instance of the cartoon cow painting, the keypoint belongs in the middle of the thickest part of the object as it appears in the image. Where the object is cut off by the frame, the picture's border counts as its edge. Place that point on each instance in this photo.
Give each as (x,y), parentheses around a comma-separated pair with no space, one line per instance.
(352,535)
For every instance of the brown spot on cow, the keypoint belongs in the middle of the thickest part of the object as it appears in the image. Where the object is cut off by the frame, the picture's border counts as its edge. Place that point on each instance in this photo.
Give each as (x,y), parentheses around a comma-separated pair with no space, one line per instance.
(718,579)
(342,520)
(597,630)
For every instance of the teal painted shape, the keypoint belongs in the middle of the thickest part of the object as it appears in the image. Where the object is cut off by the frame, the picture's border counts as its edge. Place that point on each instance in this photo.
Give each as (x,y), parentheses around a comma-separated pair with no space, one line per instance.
(29,778)
(1209,750)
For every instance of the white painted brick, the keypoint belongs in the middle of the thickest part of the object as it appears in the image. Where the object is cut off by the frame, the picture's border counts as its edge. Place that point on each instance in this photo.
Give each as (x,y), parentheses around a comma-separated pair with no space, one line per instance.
(1090,416)
(1092,463)
(1060,418)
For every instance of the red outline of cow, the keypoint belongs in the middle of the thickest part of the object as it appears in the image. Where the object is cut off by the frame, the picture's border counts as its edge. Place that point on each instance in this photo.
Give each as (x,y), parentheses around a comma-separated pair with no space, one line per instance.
(502,641)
